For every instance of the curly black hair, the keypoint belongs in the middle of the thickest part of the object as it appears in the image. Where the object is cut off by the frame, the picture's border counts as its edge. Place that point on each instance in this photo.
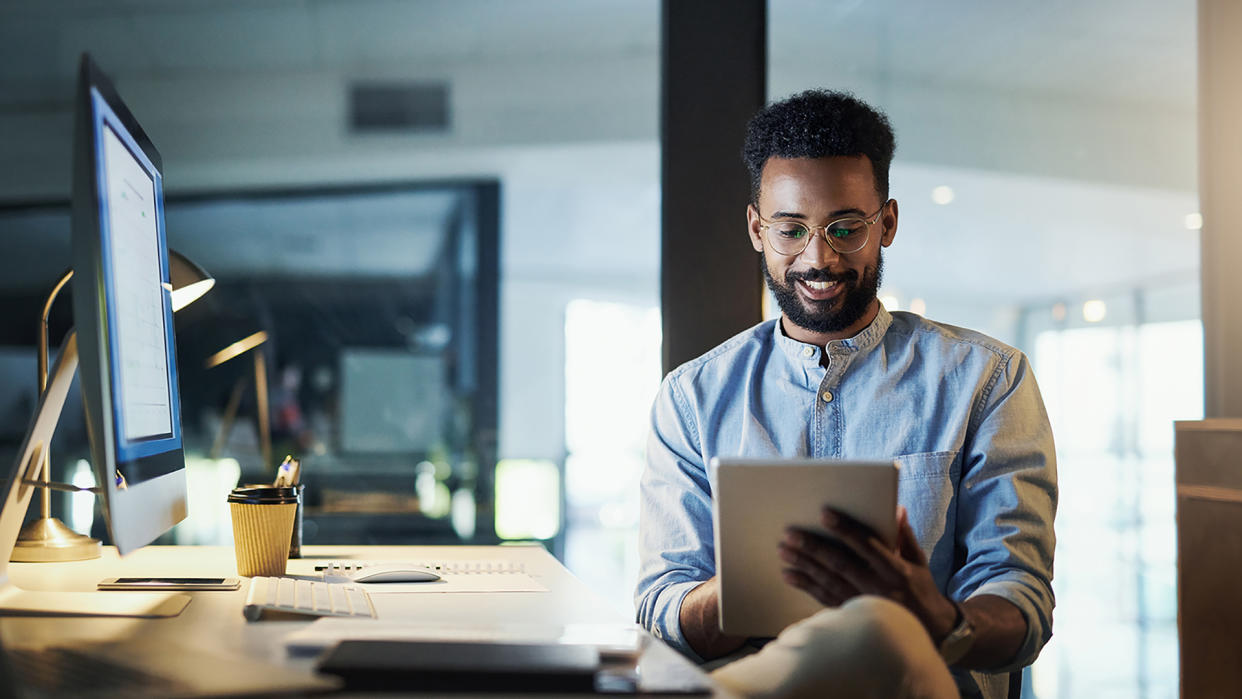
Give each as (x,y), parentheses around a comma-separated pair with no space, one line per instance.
(818,124)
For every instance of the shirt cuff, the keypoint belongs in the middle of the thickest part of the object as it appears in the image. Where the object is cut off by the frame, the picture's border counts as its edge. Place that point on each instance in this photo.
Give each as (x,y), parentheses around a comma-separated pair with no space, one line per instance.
(1038,622)
(666,626)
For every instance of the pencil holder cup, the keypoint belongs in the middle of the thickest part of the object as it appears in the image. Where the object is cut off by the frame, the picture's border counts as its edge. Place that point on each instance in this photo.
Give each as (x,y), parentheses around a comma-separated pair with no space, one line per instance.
(295,541)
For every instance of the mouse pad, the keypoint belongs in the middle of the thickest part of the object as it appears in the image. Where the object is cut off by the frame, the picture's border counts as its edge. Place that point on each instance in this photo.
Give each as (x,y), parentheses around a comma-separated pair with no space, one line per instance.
(437,666)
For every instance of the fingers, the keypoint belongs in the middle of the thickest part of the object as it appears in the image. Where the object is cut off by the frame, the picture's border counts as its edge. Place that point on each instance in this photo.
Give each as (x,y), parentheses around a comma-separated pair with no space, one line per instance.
(816,556)
(863,542)
(850,560)
(809,574)
(830,592)
(819,557)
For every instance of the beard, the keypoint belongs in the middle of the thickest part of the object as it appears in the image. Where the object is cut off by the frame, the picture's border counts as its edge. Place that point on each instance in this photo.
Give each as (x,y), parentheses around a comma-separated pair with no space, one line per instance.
(833,315)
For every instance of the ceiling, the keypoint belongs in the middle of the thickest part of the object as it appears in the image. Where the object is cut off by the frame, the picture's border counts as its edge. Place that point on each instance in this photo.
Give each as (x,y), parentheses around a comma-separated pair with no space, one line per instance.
(1065,127)
(155,37)
(1139,51)
(1060,88)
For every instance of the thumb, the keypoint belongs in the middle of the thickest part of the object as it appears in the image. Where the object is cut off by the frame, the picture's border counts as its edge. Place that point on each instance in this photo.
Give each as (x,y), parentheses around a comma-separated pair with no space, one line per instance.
(907,542)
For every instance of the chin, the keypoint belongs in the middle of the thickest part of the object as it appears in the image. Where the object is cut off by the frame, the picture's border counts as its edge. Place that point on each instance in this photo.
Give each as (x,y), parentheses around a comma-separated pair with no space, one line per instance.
(822,311)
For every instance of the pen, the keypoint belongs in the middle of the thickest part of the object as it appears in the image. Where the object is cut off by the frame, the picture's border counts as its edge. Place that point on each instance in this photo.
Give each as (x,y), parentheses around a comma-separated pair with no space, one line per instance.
(288,472)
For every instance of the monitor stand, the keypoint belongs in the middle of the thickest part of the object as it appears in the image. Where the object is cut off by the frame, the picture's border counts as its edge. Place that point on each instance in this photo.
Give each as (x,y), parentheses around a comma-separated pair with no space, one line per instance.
(15,601)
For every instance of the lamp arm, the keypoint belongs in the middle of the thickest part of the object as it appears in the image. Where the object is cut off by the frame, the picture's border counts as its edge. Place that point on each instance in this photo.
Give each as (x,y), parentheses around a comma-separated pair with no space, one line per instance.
(47,310)
(45,469)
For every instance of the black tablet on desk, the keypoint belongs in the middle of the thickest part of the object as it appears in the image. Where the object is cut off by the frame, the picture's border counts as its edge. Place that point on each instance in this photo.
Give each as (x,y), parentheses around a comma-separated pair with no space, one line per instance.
(454,666)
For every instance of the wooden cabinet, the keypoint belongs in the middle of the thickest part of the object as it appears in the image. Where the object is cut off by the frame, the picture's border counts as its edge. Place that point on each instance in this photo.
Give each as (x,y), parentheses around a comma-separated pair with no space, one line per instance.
(1209,556)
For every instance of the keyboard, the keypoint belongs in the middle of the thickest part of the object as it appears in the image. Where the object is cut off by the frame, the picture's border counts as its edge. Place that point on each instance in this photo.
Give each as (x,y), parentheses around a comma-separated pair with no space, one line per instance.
(277,596)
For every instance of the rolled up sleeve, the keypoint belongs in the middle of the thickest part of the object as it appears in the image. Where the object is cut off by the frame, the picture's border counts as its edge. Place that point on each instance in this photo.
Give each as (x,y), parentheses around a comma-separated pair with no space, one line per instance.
(1006,504)
(676,550)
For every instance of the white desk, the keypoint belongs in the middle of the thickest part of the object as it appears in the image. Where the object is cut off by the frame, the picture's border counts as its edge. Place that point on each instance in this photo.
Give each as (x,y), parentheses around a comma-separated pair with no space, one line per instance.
(213,620)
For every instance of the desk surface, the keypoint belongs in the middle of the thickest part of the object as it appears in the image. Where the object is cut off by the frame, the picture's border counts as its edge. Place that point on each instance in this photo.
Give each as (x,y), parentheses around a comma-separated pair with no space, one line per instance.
(213,620)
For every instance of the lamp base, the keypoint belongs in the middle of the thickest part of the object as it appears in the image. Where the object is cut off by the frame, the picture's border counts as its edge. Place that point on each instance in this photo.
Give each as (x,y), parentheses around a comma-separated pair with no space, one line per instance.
(48,539)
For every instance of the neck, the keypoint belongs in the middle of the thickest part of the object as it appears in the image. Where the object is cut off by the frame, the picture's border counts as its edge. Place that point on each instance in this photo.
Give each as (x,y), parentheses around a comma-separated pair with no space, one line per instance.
(822,339)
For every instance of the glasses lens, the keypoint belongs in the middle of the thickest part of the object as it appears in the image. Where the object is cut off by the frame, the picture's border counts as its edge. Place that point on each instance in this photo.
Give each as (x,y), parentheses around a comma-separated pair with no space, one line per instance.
(788,237)
(847,235)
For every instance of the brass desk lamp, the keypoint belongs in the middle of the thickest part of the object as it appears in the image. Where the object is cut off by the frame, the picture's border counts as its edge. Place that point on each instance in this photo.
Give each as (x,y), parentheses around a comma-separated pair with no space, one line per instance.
(47,538)
(242,346)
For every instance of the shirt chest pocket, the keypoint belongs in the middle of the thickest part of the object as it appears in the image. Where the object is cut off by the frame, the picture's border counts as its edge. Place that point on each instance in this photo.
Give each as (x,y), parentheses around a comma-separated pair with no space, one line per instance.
(926,485)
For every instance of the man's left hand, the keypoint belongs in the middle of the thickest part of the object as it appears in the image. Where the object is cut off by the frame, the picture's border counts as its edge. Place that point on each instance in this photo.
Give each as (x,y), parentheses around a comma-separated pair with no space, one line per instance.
(853,561)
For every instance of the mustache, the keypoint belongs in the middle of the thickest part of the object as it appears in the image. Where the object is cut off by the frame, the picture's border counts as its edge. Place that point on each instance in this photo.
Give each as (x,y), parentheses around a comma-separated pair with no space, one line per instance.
(821,275)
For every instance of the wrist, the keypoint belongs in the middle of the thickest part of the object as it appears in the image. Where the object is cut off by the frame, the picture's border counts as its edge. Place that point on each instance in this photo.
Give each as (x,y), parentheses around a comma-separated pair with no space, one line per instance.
(943,619)
(700,622)
(958,642)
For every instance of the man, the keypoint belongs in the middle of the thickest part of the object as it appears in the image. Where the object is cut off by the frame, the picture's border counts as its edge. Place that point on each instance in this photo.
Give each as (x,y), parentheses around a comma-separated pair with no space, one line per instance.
(837,376)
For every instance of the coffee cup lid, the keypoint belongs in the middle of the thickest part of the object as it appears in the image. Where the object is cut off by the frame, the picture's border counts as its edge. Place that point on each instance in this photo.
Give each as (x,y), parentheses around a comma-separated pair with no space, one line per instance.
(263,495)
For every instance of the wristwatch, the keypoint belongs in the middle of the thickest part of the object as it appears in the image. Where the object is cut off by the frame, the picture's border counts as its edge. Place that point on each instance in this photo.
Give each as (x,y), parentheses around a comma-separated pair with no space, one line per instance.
(955,645)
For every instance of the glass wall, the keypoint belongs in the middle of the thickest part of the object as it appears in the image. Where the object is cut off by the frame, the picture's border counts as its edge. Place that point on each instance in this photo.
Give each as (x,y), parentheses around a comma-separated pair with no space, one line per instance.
(1113,387)
(355,329)
(552,102)
(612,372)
(1045,171)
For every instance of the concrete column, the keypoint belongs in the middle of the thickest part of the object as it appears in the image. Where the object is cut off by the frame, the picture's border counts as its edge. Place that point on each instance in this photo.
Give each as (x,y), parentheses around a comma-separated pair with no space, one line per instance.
(713,69)
(1220,194)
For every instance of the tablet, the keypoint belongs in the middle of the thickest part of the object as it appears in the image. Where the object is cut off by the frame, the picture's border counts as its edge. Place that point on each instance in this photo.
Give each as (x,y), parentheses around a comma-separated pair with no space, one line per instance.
(755,500)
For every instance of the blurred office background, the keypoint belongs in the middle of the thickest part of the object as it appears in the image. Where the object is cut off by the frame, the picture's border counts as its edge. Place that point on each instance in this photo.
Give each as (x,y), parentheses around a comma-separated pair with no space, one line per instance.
(445,216)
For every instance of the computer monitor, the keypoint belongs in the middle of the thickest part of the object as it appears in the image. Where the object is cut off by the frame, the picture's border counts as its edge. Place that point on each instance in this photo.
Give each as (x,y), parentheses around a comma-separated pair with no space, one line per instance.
(124,338)
(122,313)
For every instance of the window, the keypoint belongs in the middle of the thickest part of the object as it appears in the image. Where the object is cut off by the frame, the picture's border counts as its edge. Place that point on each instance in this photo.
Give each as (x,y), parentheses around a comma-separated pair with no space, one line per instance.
(612,372)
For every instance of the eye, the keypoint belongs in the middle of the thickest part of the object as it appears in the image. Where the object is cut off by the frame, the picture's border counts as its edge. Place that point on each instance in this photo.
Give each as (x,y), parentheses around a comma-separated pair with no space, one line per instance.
(847,228)
(791,230)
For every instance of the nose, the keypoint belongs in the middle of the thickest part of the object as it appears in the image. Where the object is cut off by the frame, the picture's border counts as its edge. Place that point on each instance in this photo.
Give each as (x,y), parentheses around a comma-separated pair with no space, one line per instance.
(818,252)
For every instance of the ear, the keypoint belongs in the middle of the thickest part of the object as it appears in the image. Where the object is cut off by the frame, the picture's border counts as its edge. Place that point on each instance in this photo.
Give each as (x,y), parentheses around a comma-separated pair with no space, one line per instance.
(889,221)
(752,227)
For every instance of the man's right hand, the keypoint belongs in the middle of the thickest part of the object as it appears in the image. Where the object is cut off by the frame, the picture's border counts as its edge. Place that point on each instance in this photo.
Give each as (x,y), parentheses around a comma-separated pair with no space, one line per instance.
(700,622)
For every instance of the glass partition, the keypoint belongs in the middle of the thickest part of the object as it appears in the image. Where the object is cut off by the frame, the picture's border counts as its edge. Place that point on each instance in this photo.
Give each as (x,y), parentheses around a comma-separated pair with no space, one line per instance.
(352,328)
(1046,176)
(290,132)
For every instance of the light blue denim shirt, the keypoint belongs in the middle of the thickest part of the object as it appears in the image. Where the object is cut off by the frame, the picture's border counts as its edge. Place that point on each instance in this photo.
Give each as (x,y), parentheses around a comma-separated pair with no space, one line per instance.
(960,411)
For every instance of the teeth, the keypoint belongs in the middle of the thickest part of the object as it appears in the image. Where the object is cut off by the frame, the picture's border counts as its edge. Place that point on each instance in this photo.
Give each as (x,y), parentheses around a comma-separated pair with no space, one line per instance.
(819,286)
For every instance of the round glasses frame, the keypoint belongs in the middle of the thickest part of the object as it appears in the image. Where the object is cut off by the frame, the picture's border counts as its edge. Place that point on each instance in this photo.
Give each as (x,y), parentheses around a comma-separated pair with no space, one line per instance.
(838,245)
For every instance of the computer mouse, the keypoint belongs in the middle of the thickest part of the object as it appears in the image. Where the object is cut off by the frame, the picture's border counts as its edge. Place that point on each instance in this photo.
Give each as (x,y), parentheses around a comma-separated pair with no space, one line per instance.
(394,574)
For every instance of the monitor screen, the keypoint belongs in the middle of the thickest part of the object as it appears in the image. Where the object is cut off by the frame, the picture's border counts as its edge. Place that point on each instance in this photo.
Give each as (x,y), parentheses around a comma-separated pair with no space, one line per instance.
(123,317)
(134,270)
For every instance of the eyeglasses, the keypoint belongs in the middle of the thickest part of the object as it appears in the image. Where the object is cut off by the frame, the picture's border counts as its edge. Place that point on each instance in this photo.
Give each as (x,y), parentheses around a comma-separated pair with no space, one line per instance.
(845,235)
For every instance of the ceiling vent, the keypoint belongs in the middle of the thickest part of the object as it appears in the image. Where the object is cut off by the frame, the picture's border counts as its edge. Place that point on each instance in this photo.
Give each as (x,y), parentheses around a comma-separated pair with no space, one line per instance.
(399,107)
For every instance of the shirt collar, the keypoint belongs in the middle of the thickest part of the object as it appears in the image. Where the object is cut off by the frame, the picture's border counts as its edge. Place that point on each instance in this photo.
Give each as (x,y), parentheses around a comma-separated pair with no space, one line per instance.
(866,339)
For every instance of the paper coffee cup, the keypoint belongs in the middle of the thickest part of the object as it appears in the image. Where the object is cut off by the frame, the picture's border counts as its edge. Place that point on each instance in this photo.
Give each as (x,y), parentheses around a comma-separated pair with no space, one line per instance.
(262,526)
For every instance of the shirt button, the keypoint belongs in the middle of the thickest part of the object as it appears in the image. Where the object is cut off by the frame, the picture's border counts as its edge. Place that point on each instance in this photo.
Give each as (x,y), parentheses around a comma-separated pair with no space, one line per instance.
(827,396)
(657,633)
(807,351)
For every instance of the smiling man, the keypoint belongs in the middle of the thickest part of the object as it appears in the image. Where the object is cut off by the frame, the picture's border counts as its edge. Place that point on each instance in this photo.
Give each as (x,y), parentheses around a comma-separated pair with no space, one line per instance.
(965,597)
